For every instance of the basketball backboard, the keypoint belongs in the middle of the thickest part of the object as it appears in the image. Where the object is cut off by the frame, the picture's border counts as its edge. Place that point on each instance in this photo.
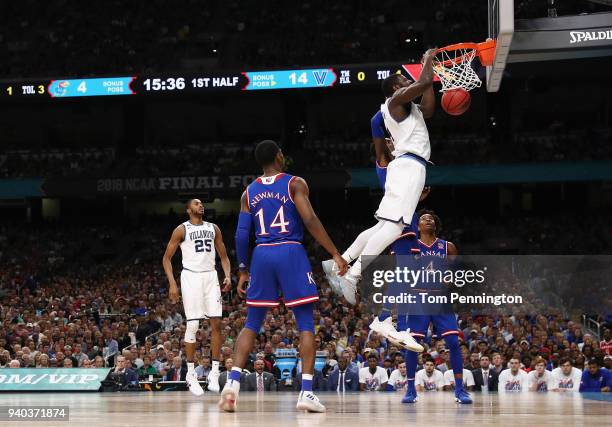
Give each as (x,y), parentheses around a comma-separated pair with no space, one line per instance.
(501,28)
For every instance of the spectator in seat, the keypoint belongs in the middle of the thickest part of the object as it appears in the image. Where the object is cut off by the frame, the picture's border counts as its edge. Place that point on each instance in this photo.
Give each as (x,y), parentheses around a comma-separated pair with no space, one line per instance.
(203,368)
(178,371)
(595,379)
(260,380)
(486,377)
(125,375)
(342,373)
(373,377)
(147,369)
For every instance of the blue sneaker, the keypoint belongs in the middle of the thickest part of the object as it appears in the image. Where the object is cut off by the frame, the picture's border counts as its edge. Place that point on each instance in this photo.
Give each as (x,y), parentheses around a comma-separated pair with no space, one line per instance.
(463,397)
(410,396)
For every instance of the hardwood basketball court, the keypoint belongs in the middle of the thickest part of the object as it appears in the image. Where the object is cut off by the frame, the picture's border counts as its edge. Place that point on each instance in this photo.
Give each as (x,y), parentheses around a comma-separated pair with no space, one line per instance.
(350,410)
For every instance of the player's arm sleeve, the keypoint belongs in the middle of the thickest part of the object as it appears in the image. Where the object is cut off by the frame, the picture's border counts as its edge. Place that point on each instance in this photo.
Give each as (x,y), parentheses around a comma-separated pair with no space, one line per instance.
(243,233)
(378,125)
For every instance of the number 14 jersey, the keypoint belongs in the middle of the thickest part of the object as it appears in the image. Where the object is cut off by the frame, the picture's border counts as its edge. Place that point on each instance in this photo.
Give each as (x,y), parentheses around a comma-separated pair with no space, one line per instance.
(273,212)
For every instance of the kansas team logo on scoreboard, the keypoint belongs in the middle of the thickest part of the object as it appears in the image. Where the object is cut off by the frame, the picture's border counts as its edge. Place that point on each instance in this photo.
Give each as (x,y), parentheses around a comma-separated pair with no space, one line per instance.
(90,87)
(290,79)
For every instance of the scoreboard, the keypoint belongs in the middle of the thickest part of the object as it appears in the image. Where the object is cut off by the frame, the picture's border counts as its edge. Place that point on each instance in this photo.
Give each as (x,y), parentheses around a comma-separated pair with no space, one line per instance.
(323,78)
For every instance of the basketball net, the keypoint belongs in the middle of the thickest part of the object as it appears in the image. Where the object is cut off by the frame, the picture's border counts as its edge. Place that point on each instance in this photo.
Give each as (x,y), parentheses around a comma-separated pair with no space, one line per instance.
(454,69)
(453,64)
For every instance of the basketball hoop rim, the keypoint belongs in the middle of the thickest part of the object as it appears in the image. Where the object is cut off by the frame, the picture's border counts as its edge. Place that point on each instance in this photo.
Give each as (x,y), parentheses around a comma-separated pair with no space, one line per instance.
(485,51)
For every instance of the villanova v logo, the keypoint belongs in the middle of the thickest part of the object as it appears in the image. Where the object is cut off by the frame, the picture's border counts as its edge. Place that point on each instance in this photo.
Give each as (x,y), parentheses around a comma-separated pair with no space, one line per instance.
(320,76)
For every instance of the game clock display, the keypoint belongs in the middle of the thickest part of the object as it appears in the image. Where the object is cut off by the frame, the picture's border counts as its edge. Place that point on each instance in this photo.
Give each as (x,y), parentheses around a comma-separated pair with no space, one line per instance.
(309,78)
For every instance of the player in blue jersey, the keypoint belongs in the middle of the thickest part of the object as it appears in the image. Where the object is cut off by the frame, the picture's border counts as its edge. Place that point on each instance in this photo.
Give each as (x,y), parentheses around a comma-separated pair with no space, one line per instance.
(276,205)
(407,241)
(444,321)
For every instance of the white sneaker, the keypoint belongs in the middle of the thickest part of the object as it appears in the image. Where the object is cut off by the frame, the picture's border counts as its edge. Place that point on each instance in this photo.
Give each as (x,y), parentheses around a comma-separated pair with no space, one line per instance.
(403,339)
(229,396)
(406,340)
(331,273)
(192,382)
(384,328)
(348,284)
(309,402)
(213,381)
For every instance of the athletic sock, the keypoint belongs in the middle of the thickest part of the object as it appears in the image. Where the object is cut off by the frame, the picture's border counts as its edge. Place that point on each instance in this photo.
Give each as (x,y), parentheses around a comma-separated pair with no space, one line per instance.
(306,382)
(411,365)
(215,365)
(190,367)
(234,375)
(452,342)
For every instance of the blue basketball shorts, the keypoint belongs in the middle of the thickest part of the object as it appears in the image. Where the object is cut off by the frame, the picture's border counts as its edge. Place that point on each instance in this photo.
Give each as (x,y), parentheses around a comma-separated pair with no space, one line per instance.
(443,324)
(281,270)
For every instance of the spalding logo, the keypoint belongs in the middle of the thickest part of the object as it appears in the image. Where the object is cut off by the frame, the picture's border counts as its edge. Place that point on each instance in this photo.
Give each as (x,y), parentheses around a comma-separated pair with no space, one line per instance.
(583,36)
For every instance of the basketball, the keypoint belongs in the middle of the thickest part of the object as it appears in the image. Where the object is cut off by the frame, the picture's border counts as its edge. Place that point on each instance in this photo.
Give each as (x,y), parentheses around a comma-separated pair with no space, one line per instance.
(456,101)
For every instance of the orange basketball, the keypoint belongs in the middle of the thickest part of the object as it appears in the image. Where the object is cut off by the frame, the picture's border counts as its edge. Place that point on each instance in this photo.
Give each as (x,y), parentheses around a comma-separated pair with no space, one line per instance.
(456,101)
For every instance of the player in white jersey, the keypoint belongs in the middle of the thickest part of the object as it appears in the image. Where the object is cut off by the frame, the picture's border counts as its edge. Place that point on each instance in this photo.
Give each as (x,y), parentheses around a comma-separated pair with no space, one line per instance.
(566,377)
(405,121)
(540,379)
(199,241)
(513,379)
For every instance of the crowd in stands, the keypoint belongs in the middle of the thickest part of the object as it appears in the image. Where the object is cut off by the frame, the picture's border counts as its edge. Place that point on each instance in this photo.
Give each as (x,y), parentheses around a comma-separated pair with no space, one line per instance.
(316,154)
(148,37)
(68,302)
(145,37)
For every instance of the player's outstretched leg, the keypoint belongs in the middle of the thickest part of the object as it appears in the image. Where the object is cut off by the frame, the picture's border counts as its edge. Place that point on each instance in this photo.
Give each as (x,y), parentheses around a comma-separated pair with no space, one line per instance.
(351,254)
(385,234)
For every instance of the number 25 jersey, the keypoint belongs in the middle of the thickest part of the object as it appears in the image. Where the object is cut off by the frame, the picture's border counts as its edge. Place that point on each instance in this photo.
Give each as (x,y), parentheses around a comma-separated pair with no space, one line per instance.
(198,247)
(273,212)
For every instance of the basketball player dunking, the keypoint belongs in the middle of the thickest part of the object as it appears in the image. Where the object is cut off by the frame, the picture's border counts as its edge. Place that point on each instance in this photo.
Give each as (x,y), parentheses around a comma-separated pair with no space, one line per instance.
(405,180)
(444,321)
(276,205)
(199,242)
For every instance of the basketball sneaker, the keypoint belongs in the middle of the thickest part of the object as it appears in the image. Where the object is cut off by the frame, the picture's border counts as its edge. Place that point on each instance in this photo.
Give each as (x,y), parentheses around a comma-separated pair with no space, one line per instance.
(229,396)
(213,381)
(309,402)
(331,273)
(348,284)
(387,330)
(192,383)
(462,396)
(410,396)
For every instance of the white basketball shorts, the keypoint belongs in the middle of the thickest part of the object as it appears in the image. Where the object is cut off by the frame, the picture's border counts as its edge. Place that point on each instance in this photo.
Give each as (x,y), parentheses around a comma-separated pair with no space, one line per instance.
(201,294)
(403,188)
